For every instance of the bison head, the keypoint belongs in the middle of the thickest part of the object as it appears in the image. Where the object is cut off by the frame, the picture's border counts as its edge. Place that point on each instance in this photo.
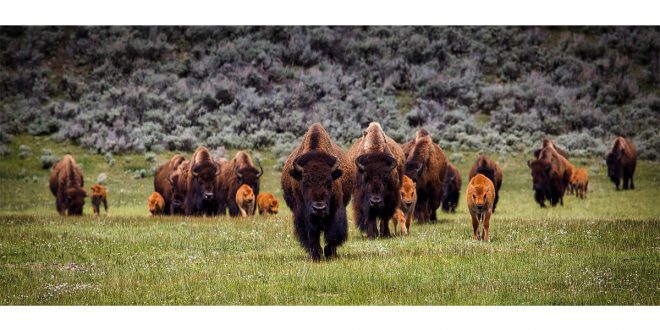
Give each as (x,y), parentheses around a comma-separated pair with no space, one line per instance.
(75,200)
(613,161)
(249,175)
(205,174)
(541,179)
(375,175)
(480,197)
(408,193)
(316,171)
(414,169)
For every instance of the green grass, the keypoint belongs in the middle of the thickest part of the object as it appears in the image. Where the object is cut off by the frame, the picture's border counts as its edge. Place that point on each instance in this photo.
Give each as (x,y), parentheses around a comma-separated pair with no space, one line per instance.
(604,250)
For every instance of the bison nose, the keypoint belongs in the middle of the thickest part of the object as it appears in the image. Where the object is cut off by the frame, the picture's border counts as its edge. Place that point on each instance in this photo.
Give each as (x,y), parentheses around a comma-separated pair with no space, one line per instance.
(249,200)
(480,207)
(408,204)
(375,200)
(208,195)
(318,206)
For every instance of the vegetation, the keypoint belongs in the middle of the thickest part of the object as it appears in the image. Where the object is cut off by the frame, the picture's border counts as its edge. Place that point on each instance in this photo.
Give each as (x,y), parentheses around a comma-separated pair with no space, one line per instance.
(598,251)
(117,89)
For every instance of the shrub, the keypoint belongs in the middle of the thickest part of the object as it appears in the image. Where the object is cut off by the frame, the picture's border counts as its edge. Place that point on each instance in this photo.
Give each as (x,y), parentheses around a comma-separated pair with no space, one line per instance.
(4,150)
(47,159)
(24,151)
(108,159)
(150,157)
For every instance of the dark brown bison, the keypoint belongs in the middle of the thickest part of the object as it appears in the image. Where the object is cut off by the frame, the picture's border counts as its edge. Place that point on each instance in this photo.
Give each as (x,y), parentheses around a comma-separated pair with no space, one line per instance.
(621,162)
(235,173)
(548,143)
(379,163)
(317,180)
(451,189)
(492,171)
(162,183)
(426,165)
(550,177)
(179,187)
(201,191)
(66,184)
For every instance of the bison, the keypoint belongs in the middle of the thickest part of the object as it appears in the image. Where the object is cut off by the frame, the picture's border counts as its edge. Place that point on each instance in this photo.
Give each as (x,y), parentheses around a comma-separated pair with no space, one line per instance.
(317,180)
(201,192)
(379,162)
(66,184)
(234,173)
(245,200)
(480,197)
(404,214)
(621,162)
(451,189)
(267,203)
(426,165)
(550,177)
(99,195)
(178,183)
(162,184)
(156,204)
(580,182)
(492,171)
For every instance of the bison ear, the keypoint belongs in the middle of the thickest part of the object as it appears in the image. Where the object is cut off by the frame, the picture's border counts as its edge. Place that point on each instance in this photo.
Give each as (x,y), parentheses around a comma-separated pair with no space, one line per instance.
(336,174)
(391,163)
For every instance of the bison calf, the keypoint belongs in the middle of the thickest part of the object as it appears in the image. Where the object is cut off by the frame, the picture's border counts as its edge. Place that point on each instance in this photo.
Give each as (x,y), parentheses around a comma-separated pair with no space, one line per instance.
(245,200)
(480,197)
(156,204)
(492,171)
(267,203)
(404,214)
(99,195)
(580,182)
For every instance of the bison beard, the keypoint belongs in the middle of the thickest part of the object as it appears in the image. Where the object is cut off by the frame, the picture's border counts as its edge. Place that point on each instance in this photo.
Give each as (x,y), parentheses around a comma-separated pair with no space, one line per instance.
(376,193)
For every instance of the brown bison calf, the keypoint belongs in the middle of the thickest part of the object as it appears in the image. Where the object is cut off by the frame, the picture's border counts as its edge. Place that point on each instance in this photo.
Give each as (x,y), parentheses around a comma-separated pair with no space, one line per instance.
(267,203)
(317,180)
(156,204)
(480,197)
(66,184)
(580,182)
(245,200)
(379,163)
(99,195)
(404,214)
(492,171)
(621,162)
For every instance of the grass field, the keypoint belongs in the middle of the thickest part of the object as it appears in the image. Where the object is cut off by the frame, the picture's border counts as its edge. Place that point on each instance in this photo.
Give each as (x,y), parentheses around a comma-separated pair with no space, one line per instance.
(604,250)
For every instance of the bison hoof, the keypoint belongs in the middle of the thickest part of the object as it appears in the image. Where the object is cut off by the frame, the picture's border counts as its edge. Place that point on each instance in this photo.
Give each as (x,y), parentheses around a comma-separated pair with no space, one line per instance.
(330,252)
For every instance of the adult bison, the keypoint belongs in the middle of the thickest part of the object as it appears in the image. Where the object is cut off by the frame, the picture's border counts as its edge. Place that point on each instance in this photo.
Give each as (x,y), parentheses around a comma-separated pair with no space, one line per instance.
(233,174)
(201,196)
(162,183)
(379,162)
(66,184)
(317,180)
(621,162)
(492,171)
(451,189)
(426,165)
(550,177)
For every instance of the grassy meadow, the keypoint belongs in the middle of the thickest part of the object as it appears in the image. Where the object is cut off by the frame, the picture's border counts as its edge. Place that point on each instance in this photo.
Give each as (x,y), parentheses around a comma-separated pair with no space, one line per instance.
(604,250)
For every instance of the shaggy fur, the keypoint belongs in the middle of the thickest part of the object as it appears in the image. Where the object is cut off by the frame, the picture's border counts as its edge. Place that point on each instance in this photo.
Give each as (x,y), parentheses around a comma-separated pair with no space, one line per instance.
(162,183)
(550,177)
(99,195)
(66,184)
(492,171)
(235,173)
(480,195)
(426,164)
(451,189)
(317,180)
(621,163)
(379,163)
(267,203)
(156,204)
(548,143)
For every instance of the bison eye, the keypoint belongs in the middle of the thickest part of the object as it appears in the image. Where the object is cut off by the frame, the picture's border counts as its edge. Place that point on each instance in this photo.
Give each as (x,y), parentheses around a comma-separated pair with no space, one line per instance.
(474,196)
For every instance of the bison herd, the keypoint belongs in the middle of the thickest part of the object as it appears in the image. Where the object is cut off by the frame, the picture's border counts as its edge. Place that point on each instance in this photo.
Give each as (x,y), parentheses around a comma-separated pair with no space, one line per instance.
(382,179)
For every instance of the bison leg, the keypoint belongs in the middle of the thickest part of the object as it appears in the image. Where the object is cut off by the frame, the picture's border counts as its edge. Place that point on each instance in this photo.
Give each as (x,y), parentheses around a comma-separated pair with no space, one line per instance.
(384,227)
(475,227)
(497,198)
(371,227)
(336,233)
(486,224)
(314,245)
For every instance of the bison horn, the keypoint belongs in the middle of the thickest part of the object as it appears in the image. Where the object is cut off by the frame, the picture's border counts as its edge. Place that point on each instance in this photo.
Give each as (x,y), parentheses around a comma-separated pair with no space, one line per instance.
(359,165)
(297,167)
(217,170)
(336,165)
(261,169)
(238,174)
